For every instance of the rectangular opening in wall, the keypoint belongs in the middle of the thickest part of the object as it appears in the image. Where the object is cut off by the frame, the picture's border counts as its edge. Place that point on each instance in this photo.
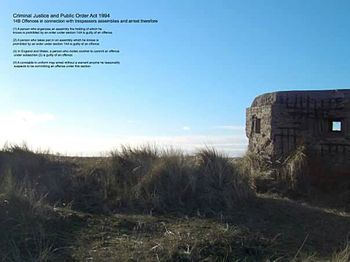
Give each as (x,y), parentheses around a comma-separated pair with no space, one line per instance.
(257,125)
(336,125)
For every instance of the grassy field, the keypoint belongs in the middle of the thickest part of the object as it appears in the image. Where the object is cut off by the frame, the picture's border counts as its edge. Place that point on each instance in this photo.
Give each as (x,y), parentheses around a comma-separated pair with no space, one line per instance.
(143,204)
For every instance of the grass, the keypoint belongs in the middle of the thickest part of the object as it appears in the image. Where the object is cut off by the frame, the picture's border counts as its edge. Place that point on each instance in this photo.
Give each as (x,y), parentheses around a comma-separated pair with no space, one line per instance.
(254,233)
(146,204)
(148,180)
(30,229)
(342,255)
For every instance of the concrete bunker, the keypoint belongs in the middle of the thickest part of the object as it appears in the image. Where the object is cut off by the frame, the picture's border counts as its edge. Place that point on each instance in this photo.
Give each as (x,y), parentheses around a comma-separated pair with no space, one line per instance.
(277,123)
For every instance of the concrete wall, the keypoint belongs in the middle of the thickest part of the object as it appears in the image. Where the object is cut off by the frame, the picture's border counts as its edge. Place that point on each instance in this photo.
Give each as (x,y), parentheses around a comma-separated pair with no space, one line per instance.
(261,142)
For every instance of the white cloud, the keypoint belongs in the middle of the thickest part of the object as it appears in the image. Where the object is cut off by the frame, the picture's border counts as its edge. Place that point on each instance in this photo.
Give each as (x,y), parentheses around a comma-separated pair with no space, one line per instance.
(79,144)
(35,129)
(22,125)
(186,128)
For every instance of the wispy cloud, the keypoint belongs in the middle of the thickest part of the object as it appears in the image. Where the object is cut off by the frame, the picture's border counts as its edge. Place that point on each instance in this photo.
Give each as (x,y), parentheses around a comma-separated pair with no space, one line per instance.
(32,118)
(24,118)
(186,128)
(230,127)
(231,145)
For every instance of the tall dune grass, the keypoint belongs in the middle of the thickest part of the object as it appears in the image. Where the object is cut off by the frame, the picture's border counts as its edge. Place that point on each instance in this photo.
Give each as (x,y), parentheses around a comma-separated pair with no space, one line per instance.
(139,179)
(171,180)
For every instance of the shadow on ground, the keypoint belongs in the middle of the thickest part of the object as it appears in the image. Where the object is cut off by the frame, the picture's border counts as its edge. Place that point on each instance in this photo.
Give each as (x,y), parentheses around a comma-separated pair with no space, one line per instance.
(295,226)
(269,229)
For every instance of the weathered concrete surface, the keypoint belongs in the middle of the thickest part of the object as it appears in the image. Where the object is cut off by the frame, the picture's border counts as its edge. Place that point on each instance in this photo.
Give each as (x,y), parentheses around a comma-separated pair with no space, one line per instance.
(291,118)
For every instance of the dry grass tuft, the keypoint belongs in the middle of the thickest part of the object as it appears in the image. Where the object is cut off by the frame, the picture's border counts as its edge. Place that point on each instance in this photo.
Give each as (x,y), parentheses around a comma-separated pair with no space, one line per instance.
(222,184)
(294,168)
(168,185)
(343,255)
(165,181)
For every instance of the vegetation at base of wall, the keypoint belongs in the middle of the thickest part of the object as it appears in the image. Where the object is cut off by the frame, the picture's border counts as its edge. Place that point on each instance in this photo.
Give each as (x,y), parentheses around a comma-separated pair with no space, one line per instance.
(290,174)
(301,177)
(294,170)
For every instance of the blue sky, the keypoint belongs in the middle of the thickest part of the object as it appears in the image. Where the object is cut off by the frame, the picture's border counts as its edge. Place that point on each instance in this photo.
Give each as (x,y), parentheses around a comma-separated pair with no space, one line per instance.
(183,82)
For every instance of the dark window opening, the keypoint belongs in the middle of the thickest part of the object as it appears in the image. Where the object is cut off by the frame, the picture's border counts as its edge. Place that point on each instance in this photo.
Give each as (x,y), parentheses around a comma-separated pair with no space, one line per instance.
(336,126)
(257,125)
